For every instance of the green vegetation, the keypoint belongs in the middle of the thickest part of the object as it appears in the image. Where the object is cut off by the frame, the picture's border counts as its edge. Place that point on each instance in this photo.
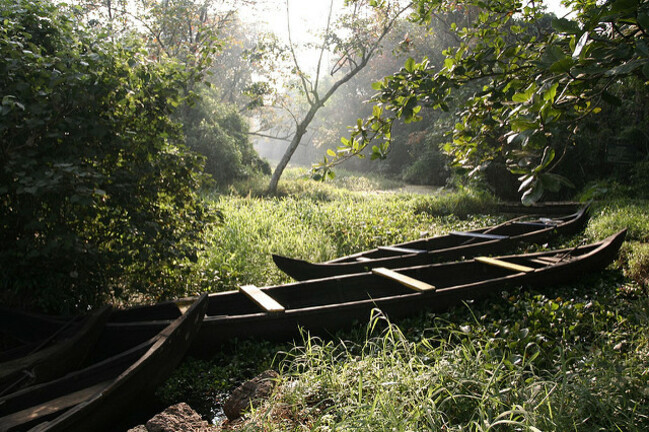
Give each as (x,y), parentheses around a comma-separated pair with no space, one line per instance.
(218,132)
(124,179)
(525,87)
(560,358)
(318,222)
(98,195)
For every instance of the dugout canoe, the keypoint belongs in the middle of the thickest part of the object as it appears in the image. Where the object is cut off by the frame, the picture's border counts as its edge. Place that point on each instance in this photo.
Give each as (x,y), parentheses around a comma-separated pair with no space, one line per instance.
(91,399)
(322,306)
(453,246)
(55,355)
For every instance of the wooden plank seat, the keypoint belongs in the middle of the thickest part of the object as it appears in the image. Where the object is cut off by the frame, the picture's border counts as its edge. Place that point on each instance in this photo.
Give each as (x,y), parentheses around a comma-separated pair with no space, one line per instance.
(363,259)
(504,264)
(478,235)
(51,407)
(545,260)
(407,281)
(262,299)
(402,250)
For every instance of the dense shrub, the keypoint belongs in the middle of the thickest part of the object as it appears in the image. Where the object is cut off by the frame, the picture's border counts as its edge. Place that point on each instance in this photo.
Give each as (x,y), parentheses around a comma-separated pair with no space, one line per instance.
(97,193)
(218,132)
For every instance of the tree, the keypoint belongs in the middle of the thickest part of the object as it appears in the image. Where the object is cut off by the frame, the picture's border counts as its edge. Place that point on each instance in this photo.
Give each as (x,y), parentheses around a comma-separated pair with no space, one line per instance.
(186,30)
(537,85)
(98,195)
(354,38)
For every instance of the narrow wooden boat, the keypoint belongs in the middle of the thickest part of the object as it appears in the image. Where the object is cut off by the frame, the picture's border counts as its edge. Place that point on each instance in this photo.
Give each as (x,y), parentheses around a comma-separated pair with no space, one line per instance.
(91,399)
(452,246)
(324,305)
(61,352)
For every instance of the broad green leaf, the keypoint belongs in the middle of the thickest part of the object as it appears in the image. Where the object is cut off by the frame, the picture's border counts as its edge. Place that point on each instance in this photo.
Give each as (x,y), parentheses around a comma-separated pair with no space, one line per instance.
(520,125)
(410,64)
(449,63)
(533,194)
(643,20)
(641,48)
(331,153)
(625,68)
(547,158)
(624,5)
(378,85)
(563,25)
(551,93)
(526,182)
(563,66)
(520,97)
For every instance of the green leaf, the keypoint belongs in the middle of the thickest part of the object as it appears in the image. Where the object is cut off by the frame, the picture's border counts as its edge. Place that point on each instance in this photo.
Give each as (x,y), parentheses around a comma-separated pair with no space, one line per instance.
(378,85)
(563,25)
(449,63)
(643,20)
(331,153)
(520,125)
(520,97)
(562,66)
(625,68)
(551,93)
(624,5)
(410,64)
(548,157)
(532,194)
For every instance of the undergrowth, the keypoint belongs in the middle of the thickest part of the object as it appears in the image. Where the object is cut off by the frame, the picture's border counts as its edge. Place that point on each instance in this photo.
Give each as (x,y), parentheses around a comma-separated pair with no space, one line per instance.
(560,358)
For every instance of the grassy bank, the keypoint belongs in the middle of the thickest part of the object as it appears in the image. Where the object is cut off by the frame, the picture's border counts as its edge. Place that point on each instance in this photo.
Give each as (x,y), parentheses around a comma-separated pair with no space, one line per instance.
(559,358)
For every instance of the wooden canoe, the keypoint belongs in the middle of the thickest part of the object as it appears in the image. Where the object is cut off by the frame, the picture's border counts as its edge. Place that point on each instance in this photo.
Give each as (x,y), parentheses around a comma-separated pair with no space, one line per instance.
(455,245)
(91,399)
(62,352)
(325,305)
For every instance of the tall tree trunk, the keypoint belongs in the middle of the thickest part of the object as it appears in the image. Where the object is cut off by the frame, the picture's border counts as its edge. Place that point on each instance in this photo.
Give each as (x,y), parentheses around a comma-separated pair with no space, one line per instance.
(300,130)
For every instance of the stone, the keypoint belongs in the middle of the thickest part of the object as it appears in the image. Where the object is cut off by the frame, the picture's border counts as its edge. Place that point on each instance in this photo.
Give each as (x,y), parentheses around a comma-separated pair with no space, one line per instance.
(140,428)
(251,392)
(177,418)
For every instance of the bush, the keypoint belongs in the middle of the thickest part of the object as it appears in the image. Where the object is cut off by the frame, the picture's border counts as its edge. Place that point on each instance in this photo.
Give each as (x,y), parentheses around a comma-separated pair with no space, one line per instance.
(97,193)
(218,132)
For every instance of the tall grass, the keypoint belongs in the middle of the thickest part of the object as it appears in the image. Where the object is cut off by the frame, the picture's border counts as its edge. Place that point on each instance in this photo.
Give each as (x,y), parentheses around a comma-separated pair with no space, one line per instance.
(456,378)
(319,222)
(561,358)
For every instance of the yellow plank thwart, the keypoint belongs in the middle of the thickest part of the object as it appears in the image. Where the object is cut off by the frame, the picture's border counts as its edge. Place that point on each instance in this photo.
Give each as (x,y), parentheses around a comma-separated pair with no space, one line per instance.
(262,299)
(504,264)
(412,283)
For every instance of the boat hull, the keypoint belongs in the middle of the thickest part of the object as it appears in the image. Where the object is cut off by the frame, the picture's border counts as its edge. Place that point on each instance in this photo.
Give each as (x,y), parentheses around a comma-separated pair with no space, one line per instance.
(437,249)
(324,306)
(94,397)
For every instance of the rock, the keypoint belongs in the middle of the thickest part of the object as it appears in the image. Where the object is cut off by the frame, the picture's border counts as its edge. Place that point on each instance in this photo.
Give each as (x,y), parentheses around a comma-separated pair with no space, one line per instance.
(140,428)
(177,418)
(250,393)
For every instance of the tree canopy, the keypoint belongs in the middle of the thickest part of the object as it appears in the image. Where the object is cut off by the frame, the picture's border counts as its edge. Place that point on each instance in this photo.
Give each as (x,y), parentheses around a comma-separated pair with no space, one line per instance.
(538,78)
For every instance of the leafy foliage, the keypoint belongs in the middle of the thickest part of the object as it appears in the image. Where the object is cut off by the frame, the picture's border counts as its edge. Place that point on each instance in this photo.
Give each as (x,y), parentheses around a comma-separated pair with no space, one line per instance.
(538,83)
(218,132)
(98,193)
